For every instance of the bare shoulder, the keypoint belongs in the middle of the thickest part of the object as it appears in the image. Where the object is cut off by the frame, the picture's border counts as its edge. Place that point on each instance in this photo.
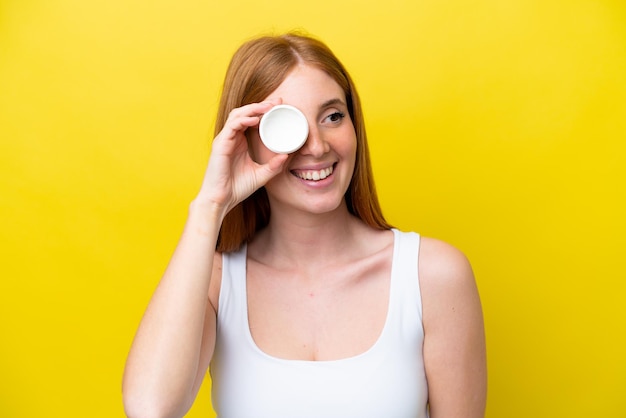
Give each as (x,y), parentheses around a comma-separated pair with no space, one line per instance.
(448,288)
(443,265)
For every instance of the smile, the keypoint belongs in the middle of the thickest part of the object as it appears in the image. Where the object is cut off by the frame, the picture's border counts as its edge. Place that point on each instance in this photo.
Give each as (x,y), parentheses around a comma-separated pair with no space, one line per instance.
(314,175)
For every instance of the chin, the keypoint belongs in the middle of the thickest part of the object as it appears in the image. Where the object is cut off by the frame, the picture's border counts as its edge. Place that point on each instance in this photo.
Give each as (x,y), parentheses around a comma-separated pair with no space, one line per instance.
(325,207)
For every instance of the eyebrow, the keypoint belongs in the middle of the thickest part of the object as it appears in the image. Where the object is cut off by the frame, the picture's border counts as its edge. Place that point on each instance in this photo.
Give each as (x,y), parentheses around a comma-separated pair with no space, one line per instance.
(332,102)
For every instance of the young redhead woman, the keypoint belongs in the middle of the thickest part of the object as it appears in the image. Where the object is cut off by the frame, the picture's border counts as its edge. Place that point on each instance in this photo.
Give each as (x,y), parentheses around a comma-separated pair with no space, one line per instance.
(288,284)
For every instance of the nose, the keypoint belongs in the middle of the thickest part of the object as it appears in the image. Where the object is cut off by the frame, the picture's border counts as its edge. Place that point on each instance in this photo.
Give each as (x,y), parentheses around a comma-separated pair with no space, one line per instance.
(315,145)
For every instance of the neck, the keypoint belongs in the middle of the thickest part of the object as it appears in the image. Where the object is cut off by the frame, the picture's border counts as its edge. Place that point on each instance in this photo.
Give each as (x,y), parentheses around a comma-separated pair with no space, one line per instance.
(301,240)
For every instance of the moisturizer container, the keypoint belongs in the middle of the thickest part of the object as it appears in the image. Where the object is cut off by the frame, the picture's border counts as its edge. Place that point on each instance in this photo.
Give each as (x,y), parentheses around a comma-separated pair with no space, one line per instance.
(283,129)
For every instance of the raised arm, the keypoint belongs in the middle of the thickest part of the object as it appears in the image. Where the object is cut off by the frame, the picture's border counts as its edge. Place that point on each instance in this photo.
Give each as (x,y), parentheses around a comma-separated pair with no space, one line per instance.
(175,339)
(454,342)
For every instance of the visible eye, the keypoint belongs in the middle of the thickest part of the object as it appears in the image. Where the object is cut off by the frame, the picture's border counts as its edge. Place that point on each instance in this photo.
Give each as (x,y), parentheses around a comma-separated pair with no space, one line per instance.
(335,117)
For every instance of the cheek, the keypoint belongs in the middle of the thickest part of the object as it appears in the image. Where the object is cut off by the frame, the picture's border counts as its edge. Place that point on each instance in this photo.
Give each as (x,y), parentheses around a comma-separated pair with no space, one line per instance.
(349,146)
(351,152)
(350,142)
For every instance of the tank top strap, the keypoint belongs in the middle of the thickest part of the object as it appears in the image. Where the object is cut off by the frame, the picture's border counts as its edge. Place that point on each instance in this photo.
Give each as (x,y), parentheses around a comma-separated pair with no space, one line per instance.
(232,305)
(405,289)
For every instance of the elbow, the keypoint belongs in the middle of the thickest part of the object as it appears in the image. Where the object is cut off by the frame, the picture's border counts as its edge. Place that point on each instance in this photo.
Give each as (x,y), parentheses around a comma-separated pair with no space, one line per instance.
(135,407)
(142,410)
(140,404)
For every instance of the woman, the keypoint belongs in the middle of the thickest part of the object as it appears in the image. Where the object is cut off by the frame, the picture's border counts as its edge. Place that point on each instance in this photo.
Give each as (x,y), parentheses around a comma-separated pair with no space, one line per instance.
(288,282)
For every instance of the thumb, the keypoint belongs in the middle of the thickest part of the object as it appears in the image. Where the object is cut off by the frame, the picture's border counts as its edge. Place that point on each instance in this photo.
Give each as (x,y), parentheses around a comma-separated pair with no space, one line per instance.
(273,167)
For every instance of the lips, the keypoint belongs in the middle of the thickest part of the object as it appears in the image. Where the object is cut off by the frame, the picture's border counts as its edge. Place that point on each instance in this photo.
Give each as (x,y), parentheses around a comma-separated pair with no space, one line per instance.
(313,175)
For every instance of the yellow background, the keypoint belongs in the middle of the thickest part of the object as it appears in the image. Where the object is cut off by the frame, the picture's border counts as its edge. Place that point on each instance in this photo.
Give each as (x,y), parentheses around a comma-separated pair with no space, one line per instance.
(498,126)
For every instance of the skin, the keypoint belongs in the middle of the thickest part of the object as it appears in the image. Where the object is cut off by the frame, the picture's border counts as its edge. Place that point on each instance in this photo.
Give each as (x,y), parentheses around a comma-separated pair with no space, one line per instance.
(318,278)
(293,313)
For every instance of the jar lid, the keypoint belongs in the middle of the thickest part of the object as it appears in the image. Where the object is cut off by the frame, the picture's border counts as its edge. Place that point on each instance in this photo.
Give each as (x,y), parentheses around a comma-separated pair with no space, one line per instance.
(284,129)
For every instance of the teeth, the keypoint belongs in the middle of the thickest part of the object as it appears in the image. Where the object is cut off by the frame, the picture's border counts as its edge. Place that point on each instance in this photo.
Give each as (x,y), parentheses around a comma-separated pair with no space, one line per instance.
(315,175)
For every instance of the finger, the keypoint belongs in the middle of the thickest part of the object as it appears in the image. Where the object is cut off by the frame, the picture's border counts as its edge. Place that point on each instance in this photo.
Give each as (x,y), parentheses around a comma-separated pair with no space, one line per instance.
(255,109)
(270,169)
(241,123)
(241,118)
(244,117)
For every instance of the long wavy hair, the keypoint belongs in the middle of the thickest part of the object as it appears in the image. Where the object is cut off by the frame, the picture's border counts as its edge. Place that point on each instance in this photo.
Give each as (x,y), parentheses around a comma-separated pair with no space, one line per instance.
(257,68)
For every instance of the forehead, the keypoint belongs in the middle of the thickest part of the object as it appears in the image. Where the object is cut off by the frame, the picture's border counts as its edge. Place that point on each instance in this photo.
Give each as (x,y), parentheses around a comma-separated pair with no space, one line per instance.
(307,86)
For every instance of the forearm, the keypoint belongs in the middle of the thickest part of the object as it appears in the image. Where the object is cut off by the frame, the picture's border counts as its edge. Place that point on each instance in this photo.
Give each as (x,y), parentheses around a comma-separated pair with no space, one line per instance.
(164,360)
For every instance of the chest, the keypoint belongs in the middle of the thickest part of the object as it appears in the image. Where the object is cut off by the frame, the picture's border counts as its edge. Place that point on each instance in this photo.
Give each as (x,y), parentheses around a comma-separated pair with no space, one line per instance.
(336,314)
(366,322)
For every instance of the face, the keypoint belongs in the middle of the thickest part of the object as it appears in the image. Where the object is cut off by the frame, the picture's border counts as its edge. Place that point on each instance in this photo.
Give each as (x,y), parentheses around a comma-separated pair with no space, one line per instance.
(316,176)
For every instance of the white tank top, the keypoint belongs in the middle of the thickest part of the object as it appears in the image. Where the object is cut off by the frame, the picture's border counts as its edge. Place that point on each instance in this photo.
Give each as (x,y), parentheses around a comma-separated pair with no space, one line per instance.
(388,380)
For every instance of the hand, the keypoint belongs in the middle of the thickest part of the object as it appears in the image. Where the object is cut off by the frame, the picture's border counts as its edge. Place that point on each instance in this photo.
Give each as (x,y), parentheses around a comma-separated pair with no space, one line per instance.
(231,174)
